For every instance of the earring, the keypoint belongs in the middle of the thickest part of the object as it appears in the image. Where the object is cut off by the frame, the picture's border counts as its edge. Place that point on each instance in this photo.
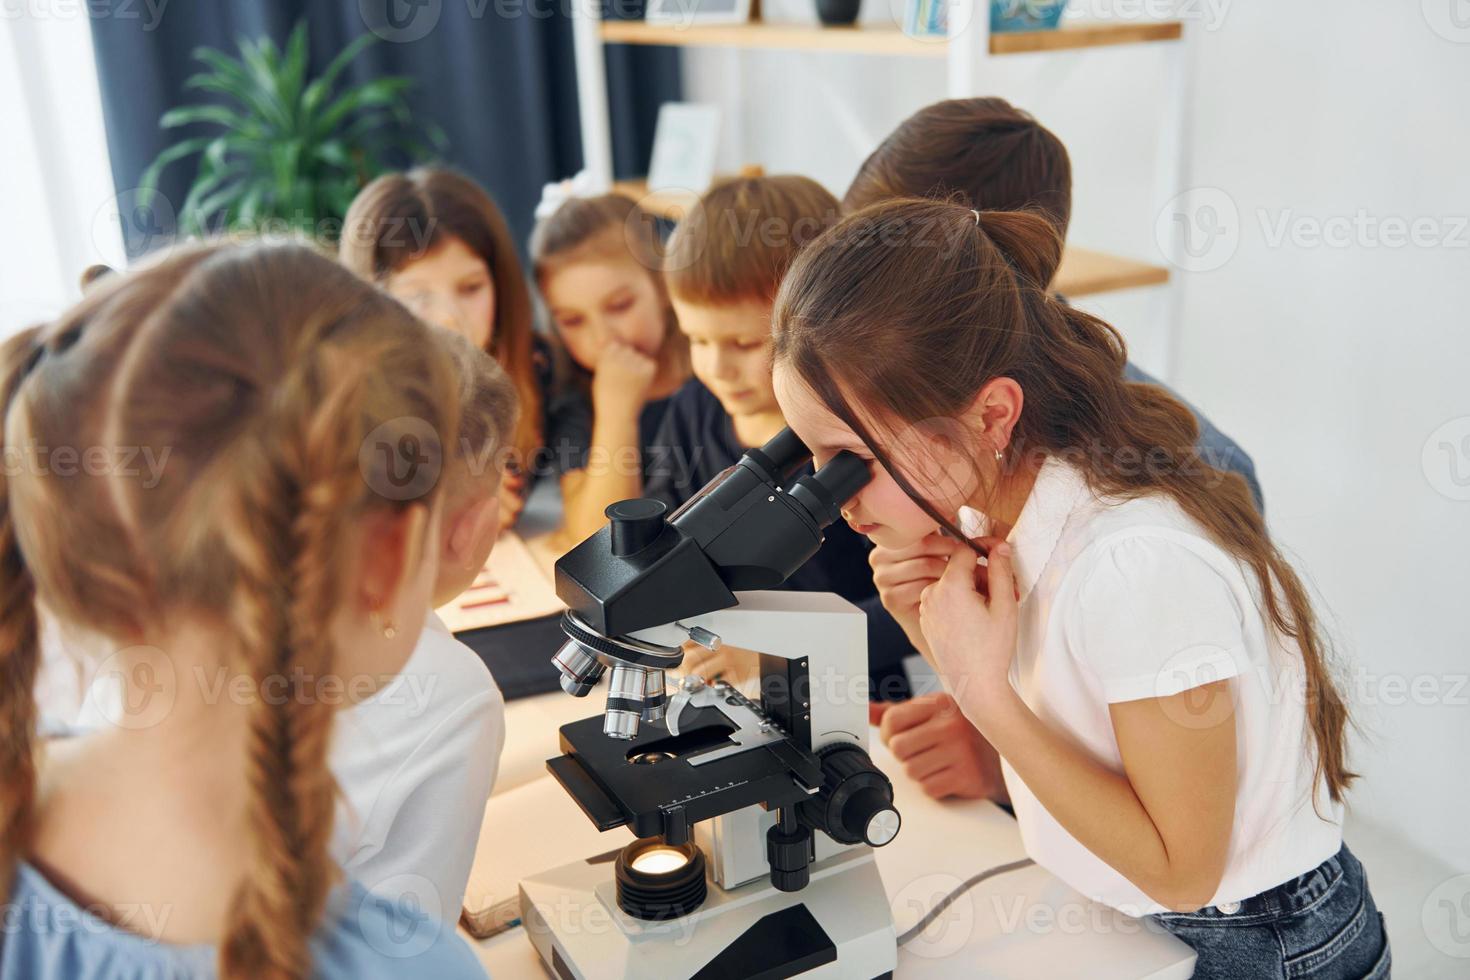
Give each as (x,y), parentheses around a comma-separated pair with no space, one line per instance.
(999,456)
(385,626)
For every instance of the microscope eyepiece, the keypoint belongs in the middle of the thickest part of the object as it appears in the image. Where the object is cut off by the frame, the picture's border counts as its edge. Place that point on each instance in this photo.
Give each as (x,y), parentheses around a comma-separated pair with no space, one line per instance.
(825,491)
(782,456)
(748,529)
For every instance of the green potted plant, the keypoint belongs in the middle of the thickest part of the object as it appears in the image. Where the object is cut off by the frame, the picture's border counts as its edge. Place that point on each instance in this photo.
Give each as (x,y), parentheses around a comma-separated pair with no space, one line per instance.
(289,152)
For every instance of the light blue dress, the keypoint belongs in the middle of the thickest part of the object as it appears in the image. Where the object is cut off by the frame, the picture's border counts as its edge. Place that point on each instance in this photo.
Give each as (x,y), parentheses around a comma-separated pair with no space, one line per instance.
(362,935)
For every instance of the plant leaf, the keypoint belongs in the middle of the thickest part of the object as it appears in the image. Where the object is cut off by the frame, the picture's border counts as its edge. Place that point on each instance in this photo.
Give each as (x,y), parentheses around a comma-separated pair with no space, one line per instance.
(242,84)
(335,153)
(380,92)
(198,208)
(248,98)
(261,61)
(317,91)
(217,114)
(293,69)
(148,183)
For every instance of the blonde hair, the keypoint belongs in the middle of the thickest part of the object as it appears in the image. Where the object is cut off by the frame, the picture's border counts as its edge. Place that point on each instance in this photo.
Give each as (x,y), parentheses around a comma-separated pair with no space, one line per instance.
(268,375)
(488,413)
(738,241)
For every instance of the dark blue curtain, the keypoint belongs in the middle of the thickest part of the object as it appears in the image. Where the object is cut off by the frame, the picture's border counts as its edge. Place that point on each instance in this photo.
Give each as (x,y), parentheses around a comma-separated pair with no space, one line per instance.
(497,75)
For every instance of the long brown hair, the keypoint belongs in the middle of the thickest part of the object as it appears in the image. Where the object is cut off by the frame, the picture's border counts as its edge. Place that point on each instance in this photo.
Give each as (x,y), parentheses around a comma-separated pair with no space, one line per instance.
(261,371)
(983,151)
(402,217)
(605,226)
(738,241)
(908,308)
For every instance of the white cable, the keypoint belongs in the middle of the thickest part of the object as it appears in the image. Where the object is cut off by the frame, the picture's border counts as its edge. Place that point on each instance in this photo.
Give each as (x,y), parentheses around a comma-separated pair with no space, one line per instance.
(948,900)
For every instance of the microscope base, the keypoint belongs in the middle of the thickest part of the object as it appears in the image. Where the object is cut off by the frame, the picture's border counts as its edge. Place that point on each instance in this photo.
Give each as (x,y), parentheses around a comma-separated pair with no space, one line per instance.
(839,926)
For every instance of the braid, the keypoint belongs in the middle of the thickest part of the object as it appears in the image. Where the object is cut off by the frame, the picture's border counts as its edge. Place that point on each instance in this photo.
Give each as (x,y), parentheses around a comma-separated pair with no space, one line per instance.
(294,498)
(19,647)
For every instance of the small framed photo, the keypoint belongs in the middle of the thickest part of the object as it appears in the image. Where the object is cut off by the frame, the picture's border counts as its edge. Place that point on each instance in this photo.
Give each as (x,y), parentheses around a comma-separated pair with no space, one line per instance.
(686,12)
(684,147)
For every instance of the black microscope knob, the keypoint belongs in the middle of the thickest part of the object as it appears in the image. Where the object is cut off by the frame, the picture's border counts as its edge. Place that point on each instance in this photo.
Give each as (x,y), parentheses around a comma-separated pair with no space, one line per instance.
(789,853)
(636,524)
(855,804)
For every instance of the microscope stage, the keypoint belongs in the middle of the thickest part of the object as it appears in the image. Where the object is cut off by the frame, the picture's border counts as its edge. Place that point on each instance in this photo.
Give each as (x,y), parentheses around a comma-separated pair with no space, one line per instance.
(667,793)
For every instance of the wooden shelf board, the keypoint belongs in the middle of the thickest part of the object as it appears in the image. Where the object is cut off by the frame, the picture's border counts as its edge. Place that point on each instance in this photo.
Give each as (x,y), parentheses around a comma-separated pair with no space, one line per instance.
(1083,272)
(1096,35)
(877,39)
(804,37)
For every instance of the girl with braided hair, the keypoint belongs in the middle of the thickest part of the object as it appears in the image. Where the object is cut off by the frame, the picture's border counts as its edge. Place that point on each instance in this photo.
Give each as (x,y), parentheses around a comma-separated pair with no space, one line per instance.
(286,543)
(1137,649)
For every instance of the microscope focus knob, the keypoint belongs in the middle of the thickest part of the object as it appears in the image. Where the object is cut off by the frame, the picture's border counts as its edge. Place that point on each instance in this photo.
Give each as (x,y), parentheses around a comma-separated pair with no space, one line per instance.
(855,803)
(636,524)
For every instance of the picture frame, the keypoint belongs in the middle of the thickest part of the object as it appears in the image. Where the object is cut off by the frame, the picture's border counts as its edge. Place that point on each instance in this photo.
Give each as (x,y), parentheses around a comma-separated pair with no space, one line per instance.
(685,142)
(683,13)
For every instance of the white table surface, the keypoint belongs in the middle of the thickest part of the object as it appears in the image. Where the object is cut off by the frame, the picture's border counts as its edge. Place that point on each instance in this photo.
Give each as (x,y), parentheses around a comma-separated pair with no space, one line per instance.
(1023,924)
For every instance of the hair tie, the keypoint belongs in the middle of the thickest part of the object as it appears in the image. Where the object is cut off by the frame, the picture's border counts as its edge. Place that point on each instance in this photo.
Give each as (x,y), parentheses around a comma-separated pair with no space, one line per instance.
(977,217)
(557,193)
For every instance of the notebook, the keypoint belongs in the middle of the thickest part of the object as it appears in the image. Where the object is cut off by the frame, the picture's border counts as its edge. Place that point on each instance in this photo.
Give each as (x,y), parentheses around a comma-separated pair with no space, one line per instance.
(511,588)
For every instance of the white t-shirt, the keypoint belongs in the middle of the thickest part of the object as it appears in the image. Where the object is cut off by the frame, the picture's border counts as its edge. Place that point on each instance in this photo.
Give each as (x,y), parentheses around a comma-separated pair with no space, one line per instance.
(1128,600)
(416,763)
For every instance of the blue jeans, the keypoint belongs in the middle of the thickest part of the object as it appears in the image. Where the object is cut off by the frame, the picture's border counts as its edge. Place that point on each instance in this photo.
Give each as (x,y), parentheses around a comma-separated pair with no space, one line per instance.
(1322,926)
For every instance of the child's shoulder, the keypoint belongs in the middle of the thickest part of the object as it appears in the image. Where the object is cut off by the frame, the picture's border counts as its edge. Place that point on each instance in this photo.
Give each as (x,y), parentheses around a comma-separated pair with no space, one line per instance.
(694,399)
(404,932)
(457,669)
(443,679)
(1148,541)
(362,934)
(693,414)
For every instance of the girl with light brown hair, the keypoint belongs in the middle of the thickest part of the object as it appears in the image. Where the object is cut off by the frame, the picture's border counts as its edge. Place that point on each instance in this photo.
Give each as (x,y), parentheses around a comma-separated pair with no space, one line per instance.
(1142,656)
(279,561)
(436,241)
(597,261)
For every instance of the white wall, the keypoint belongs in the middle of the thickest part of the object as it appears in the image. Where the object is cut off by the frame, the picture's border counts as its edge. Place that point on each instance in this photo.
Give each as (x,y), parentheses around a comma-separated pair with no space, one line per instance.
(1332,365)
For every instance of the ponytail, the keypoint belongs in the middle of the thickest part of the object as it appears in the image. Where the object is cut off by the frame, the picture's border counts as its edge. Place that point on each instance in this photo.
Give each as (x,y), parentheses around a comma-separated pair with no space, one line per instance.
(866,315)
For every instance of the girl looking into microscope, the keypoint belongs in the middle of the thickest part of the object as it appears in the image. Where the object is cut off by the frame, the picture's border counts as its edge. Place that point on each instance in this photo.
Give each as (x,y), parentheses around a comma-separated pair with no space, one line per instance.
(1127,640)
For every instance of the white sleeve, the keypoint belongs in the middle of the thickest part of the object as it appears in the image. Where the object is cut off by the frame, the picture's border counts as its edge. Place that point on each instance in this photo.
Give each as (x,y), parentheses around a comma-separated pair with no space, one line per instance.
(1154,617)
(429,817)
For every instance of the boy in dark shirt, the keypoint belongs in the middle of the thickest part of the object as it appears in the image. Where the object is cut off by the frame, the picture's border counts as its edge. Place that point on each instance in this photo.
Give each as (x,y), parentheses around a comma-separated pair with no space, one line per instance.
(724,264)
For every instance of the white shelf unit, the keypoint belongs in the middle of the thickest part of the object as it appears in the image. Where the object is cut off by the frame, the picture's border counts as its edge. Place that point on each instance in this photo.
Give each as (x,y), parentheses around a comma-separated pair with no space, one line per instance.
(966,51)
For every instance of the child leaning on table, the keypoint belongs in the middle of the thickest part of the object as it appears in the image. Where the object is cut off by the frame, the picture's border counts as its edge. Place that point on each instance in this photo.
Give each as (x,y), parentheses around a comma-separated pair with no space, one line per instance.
(417,761)
(619,354)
